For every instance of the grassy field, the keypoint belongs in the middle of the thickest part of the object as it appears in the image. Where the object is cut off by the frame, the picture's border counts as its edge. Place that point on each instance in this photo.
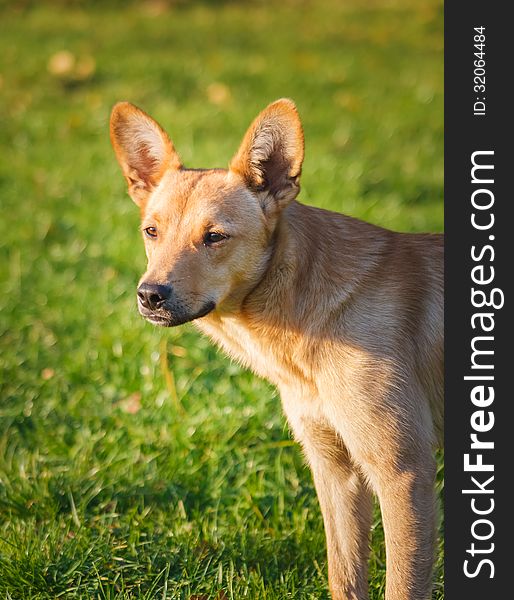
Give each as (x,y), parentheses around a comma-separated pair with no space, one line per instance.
(137,462)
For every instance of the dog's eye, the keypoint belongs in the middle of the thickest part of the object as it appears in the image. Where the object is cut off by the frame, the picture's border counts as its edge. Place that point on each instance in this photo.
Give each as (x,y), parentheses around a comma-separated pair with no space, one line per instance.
(213,237)
(151,232)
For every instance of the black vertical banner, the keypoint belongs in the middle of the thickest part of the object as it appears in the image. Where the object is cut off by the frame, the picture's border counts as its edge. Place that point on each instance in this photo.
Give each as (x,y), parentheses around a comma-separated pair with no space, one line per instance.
(479,168)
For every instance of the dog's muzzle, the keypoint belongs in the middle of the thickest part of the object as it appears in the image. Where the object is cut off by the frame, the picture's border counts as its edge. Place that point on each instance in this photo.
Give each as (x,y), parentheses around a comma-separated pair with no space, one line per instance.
(158,304)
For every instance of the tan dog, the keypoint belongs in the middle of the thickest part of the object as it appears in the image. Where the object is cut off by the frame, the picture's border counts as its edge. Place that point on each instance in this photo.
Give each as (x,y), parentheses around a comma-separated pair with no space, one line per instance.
(345,318)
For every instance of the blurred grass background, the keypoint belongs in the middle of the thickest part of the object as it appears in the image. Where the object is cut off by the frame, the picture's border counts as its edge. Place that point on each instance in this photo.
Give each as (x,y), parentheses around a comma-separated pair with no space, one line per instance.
(137,462)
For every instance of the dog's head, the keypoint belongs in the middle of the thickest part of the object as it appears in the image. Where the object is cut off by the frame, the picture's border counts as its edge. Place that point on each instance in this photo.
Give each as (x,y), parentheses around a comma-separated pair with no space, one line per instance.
(208,233)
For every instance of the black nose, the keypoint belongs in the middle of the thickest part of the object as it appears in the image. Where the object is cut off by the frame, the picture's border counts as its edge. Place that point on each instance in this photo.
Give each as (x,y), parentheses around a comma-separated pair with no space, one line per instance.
(152,295)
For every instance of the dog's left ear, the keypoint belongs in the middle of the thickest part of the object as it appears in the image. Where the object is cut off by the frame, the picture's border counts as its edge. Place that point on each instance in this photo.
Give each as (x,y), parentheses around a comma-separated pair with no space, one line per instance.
(271,154)
(142,148)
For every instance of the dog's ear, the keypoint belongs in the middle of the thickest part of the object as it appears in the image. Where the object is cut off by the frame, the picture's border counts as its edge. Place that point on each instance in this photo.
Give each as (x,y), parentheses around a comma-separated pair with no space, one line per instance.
(271,154)
(142,148)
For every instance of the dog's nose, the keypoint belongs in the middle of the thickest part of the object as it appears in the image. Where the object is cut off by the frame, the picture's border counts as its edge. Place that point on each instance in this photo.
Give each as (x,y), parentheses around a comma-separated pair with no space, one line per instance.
(153,295)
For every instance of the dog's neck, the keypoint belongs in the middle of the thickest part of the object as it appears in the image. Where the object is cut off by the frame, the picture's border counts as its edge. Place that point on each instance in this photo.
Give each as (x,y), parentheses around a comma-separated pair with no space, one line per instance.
(290,307)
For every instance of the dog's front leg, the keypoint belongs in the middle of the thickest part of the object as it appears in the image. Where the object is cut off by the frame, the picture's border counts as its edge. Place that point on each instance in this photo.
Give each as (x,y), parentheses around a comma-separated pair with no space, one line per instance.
(407,502)
(346,506)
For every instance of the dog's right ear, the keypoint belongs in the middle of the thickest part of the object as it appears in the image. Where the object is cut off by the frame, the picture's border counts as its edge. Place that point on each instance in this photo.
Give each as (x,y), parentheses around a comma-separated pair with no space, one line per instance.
(142,148)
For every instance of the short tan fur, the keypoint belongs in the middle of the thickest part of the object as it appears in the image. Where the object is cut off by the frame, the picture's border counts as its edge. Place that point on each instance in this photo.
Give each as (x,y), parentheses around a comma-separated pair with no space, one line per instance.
(344,317)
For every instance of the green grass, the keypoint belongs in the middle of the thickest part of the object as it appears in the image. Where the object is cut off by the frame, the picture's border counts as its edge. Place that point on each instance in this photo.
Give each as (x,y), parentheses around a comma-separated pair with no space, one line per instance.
(141,463)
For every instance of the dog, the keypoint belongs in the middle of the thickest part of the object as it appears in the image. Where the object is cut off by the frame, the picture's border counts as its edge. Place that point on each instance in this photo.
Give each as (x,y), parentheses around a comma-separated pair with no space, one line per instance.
(344,317)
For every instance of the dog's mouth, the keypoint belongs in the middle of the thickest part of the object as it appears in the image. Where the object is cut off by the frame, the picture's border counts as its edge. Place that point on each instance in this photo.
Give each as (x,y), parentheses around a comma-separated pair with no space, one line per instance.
(163,321)
(171,318)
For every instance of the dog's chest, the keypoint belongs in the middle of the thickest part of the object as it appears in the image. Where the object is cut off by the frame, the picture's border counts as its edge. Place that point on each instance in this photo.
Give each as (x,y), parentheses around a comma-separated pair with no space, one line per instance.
(271,357)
